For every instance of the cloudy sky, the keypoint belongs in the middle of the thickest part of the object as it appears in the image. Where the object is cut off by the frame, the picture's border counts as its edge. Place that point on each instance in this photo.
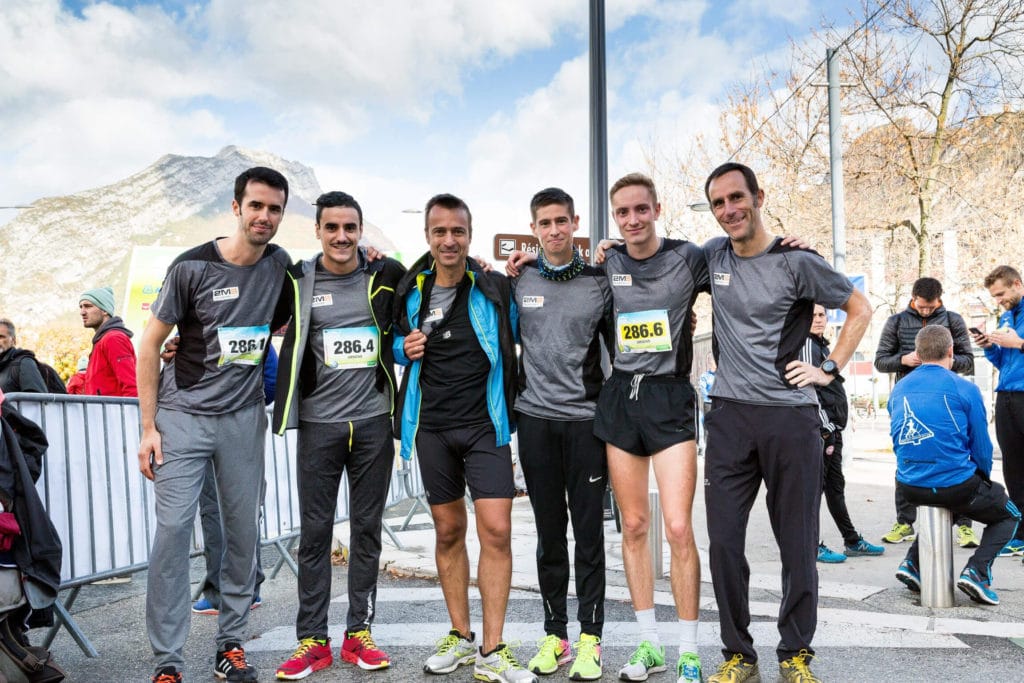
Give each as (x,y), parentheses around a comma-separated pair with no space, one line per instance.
(391,100)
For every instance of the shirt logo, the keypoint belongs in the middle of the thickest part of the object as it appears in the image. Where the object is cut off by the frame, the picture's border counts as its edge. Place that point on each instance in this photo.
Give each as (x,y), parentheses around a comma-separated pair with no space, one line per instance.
(225,293)
(434,315)
(722,279)
(622,280)
(533,302)
(323,300)
(447,334)
(912,431)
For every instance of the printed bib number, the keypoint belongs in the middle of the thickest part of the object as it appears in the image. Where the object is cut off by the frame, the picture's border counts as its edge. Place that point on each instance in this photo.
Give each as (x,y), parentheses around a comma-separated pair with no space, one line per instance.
(347,348)
(242,345)
(644,332)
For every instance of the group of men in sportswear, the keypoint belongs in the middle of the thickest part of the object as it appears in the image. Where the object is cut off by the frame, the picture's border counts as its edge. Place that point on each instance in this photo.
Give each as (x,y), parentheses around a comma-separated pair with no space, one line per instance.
(455,326)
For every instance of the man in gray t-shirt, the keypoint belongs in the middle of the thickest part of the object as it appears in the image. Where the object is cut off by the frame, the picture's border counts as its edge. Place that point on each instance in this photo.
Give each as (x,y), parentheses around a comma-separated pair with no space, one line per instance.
(565,310)
(336,385)
(208,405)
(764,419)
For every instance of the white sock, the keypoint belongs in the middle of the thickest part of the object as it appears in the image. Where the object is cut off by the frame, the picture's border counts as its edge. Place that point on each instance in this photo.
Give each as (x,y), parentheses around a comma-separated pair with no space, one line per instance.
(688,636)
(648,626)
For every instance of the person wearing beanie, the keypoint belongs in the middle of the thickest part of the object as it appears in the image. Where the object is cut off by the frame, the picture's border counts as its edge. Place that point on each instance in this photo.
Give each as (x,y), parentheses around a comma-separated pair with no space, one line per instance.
(111,365)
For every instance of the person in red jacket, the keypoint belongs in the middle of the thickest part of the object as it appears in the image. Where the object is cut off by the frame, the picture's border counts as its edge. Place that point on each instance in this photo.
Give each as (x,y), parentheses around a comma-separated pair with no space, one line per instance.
(76,383)
(111,370)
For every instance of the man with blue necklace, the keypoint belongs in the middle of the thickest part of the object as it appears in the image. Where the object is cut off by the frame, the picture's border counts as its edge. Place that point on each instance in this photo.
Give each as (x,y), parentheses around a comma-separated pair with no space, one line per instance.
(564,315)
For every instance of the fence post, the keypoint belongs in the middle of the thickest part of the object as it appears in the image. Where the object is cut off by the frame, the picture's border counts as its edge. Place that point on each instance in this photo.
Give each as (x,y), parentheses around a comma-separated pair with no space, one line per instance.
(654,534)
(935,550)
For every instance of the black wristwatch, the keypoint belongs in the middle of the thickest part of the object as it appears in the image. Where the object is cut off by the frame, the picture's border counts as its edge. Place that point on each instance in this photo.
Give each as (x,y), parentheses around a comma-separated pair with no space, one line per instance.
(829,367)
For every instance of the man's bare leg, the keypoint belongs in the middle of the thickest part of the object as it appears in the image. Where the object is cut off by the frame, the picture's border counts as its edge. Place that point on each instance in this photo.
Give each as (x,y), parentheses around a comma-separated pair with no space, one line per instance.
(452,561)
(675,470)
(630,475)
(494,571)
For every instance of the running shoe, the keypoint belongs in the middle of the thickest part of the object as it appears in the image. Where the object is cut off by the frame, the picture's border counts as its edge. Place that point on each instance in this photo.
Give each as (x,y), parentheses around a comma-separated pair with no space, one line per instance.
(900,533)
(168,674)
(646,659)
(688,668)
(1014,546)
(966,537)
(976,587)
(735,670)
(451,652)
(359,649)
(587,666)
(231,664)
(501,667)
(203,606)
(829,556)
(312,655)
(908,576)
(862,547)
(796,669)
(552,653)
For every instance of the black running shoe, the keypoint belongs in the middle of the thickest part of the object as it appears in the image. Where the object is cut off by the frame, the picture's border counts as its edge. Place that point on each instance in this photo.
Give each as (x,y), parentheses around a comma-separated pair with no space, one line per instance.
(231,664)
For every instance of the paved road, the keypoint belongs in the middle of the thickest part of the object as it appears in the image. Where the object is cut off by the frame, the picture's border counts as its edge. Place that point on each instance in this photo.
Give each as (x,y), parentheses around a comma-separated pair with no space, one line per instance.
(870,627)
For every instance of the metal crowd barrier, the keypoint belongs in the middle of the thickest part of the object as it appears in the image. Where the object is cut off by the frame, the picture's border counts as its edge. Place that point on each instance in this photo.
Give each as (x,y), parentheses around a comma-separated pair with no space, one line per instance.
(103,507)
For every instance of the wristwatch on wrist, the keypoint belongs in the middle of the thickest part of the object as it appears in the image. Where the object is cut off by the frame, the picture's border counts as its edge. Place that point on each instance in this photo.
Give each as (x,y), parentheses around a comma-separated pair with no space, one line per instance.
(829,367)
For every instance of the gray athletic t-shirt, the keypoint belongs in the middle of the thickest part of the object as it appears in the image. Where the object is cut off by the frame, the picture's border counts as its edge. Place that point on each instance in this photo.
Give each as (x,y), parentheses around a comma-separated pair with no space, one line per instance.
(560,326)
(345,345)
(223,313)
(652,300)
(762,315)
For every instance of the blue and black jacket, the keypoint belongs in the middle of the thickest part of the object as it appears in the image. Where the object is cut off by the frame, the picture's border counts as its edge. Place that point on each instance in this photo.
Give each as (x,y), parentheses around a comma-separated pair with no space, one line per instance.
(493,317)
(1009,362)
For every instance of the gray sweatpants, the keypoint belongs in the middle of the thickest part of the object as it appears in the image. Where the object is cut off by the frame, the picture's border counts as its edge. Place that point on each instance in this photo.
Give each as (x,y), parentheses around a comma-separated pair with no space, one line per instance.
(235,443)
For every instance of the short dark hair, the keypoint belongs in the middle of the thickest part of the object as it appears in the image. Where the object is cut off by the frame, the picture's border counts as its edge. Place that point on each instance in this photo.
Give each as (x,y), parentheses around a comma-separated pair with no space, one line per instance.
(260,174)
(450,202)
(928,288)
(933,343)
(729,167)
(549,196)
(331,199)
(631,179)
(1007,274)
(6,322)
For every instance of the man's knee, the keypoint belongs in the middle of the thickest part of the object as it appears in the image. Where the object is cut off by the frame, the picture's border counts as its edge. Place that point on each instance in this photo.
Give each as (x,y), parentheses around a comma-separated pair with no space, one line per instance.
(679,533)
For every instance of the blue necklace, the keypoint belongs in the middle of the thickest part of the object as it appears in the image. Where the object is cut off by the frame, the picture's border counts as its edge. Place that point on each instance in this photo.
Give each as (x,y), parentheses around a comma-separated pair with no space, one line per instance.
(560,273)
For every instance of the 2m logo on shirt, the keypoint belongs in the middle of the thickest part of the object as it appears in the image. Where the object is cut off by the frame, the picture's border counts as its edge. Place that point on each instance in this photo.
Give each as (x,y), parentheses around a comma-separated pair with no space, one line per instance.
(622,280)
(722,279)
(533,302)
(225,293)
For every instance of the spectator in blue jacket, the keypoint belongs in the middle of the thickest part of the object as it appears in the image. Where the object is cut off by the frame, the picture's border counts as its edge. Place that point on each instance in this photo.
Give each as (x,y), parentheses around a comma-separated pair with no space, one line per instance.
(944,459)
(1004,348)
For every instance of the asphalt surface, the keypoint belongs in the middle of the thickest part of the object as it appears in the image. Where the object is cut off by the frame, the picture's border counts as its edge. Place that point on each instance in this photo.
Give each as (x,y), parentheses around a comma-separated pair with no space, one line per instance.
(870,627)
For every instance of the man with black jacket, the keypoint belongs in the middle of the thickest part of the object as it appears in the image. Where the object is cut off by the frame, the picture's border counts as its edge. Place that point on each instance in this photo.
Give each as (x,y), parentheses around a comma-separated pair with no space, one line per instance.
(895,354)
(833,409)
(336,385)
(18,369)
(455,333)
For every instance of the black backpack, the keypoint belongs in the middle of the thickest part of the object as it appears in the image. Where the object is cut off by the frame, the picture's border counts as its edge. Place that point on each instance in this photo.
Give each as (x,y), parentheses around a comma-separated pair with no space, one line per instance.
(54,384)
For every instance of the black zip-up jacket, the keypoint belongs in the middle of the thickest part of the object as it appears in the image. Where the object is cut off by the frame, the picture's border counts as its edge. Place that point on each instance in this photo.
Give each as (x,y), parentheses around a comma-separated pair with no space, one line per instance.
(901,329)
(296,374)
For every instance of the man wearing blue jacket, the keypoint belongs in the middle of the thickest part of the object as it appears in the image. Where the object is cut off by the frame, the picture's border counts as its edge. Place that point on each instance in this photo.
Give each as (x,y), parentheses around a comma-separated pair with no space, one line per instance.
(455,330)
(944,459)
(1004,348)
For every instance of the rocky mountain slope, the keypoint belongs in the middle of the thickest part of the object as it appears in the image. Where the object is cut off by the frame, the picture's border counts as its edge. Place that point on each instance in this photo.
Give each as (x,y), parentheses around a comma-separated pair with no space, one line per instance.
(60,246)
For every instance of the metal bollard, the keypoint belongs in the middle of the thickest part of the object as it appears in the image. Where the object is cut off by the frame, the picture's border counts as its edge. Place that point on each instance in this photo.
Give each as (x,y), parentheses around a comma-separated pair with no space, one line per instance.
(654,534)
(935,549)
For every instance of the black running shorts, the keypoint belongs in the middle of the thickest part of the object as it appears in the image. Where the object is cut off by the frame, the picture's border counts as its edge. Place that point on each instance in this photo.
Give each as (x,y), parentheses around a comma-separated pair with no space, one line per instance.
(455,458)
(645,414)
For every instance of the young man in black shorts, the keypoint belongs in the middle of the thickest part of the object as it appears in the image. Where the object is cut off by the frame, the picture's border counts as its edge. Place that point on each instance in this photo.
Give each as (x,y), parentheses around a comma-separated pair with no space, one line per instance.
(645,414)
(455,332)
